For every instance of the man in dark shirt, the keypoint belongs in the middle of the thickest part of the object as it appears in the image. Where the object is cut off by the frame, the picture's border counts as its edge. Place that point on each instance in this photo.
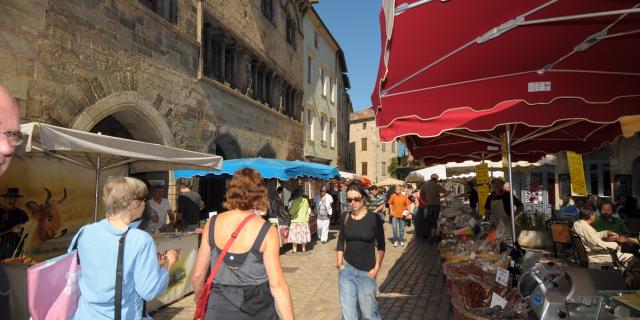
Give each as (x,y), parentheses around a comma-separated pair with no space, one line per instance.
(190,204)
(11,218)
(473,197)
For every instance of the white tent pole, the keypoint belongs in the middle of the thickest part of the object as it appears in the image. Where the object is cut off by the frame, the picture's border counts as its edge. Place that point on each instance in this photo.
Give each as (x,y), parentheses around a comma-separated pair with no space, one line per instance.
(97,196)
(511,189)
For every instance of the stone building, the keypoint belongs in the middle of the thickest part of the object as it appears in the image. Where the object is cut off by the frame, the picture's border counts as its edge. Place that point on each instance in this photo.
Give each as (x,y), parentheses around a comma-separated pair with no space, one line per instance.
(325,100)
(215,76)
(372,157)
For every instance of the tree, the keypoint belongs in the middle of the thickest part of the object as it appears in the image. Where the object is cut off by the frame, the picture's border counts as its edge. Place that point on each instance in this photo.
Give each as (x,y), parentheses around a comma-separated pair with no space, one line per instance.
(393,167)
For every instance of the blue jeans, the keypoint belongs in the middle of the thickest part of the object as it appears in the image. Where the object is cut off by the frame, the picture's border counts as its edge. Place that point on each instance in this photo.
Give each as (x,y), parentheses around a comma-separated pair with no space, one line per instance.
(398,229)
(357,289)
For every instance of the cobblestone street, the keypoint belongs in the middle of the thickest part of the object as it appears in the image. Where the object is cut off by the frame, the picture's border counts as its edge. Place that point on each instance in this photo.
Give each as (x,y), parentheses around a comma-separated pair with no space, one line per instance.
(411,284)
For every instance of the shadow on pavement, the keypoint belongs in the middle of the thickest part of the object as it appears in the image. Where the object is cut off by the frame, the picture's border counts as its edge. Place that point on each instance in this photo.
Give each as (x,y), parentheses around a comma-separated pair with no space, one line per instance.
(415,287)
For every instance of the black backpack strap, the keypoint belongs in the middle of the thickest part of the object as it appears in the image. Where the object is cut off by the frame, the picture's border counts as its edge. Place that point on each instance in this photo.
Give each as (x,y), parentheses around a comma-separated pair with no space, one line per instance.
(118,298)
(261,235)
(212,226)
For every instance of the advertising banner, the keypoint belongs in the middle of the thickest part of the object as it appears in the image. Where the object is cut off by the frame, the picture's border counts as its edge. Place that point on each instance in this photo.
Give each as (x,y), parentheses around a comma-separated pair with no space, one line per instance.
(576,172)
(43,203)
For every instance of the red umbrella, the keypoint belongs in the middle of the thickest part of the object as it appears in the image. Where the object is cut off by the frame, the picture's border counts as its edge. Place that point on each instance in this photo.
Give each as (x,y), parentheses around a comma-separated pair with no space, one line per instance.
(481,55)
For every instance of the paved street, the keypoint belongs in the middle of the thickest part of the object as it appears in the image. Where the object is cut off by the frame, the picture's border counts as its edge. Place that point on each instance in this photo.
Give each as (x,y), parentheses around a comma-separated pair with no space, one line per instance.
(410,283)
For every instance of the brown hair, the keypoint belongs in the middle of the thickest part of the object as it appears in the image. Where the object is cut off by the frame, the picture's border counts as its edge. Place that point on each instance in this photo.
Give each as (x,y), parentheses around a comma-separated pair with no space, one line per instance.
(247,191)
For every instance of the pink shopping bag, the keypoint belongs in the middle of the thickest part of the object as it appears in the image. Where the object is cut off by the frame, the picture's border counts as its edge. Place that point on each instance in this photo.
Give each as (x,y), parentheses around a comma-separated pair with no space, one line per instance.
(52,286)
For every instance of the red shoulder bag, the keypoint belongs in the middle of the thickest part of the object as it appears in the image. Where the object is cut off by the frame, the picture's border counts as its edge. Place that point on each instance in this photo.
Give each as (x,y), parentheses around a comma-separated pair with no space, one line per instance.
(201,307)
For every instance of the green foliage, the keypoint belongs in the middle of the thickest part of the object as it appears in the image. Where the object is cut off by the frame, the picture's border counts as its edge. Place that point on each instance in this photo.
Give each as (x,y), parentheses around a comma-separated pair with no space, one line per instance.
(531,220)
(393,167)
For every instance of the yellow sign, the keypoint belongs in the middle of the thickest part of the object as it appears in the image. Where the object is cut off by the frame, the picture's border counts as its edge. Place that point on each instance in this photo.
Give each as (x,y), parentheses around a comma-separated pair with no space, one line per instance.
(482,174)
(483,193)
(576,172)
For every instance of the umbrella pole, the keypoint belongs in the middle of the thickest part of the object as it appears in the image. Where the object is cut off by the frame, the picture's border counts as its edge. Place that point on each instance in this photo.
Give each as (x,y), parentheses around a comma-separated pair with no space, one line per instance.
(511,208)
(97,195)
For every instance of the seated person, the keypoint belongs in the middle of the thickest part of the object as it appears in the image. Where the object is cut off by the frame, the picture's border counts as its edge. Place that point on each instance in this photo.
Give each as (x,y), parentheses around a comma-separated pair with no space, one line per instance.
(606,220)
(597,243)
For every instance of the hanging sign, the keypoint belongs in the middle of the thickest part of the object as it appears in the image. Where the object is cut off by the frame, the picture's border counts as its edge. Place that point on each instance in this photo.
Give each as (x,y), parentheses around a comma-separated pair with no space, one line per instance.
(483,194)
(482,174)
(576,173)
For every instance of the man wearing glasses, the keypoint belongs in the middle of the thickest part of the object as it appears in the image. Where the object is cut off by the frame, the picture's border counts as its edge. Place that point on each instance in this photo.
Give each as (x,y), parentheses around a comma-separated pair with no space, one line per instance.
(9,138)
(10,135)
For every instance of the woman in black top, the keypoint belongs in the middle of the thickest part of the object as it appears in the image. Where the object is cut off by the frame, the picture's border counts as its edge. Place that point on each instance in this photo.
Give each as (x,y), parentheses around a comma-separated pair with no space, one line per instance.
(359,257)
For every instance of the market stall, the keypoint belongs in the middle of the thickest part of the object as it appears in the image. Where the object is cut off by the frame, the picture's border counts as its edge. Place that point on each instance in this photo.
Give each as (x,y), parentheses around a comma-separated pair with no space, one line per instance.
(484,93)
(54,182)
(273,169)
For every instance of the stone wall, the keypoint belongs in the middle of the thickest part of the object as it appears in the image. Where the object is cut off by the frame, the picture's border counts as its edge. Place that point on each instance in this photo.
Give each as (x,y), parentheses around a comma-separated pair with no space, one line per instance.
(71,63)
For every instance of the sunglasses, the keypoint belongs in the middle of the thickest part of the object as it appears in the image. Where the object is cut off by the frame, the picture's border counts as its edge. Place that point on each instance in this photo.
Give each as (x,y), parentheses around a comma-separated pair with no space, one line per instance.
(358,199)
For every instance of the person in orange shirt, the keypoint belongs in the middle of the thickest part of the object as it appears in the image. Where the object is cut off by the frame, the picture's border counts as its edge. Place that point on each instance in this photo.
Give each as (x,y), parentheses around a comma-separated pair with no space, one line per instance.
(399,205)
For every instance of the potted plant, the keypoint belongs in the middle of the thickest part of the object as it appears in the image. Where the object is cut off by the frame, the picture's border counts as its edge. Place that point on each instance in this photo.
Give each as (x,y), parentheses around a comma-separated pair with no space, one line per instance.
(532,233)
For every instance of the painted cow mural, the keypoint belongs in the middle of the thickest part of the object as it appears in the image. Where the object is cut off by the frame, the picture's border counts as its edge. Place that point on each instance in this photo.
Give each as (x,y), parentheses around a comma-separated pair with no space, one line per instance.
(44,221)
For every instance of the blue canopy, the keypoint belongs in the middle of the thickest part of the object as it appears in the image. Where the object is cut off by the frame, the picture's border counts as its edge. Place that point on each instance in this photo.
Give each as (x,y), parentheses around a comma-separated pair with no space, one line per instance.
(269,169)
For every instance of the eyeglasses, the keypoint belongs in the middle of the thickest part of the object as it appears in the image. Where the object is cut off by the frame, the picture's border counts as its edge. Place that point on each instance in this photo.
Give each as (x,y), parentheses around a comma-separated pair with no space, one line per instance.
(358,199)
(14,137)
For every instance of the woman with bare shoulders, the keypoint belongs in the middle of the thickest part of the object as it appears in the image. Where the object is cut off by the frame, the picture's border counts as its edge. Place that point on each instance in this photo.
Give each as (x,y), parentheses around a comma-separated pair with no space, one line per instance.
(250,283)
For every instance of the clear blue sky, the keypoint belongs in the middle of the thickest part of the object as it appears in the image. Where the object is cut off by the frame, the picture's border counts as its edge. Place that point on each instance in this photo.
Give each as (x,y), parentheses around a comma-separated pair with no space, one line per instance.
(355,24)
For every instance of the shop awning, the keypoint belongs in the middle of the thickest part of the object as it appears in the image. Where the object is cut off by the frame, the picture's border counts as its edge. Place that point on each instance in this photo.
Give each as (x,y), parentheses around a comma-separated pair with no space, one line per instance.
(102,152)
(84,149)
(270,169)
(471,56)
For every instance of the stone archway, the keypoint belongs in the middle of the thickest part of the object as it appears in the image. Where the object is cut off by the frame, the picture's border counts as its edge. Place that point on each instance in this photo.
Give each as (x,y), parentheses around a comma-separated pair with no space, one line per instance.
(267,152)
(227,147)
(135,113)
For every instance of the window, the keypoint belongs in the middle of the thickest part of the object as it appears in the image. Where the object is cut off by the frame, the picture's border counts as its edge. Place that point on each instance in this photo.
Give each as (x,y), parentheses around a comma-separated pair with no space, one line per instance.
(384,146)
(291,31)
(331,88)
(364,125)
(167,9)
(268,10)
(323,128)
(323,81)
(309,61)
(315,40)
(364,144)
(310,122)
(334,91)
(384,169)
(364,169)
(332,132)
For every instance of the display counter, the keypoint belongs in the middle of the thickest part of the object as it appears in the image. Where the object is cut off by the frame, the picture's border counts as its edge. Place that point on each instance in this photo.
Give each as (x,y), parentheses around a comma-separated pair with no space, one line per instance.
(180,283)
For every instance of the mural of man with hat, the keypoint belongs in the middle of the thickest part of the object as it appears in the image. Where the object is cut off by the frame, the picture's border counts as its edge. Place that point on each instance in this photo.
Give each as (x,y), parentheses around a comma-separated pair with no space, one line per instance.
(11,220)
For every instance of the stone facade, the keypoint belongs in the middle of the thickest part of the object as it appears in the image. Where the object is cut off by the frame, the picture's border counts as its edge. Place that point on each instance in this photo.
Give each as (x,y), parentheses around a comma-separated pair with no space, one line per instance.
(372,157)
(77,63)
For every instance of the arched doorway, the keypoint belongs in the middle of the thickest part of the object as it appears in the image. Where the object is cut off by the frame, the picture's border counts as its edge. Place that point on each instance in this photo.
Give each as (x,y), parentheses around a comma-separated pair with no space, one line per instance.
(128,114)
(212,188)
(267,152)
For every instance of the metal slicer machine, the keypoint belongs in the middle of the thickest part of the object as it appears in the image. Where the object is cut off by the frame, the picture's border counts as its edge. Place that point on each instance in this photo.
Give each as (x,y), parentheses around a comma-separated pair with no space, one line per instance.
(567,292)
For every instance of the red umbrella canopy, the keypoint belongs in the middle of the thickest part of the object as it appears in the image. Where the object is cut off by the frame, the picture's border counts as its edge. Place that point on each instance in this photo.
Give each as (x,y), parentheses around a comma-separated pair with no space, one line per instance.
(528,143)
(481,55)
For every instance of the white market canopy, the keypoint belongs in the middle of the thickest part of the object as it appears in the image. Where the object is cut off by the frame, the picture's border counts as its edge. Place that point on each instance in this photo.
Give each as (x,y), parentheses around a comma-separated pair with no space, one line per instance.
(84,149)
(100,152)
(425,174)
